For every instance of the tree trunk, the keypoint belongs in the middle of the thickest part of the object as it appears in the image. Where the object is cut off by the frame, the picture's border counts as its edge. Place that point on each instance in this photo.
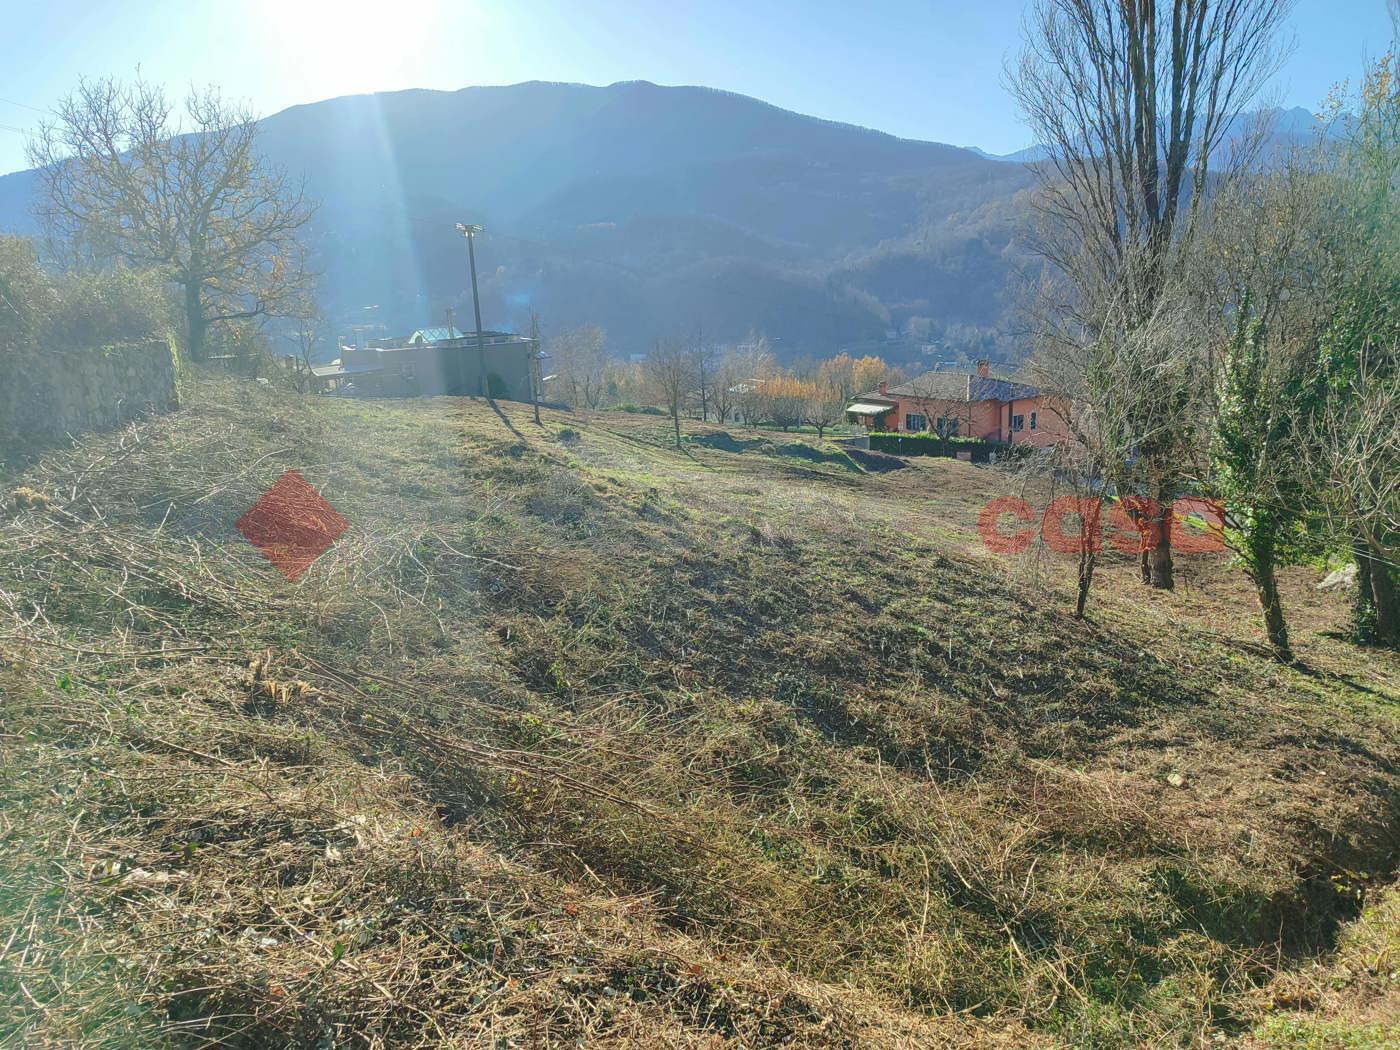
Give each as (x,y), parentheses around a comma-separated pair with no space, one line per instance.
(1141,519)
(1275,626)
(1087,558)
(1363,613)
(1376,614)
(195,325)
(1385,597)
(676,419)
(1160,573)
(1090,531)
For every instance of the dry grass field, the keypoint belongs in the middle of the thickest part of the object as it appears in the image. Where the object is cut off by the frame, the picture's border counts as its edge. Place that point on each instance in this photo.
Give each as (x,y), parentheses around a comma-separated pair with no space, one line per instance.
(574,739)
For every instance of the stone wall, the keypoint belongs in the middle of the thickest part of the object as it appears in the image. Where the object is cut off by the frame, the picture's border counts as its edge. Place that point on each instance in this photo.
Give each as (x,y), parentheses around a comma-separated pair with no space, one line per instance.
(47,394)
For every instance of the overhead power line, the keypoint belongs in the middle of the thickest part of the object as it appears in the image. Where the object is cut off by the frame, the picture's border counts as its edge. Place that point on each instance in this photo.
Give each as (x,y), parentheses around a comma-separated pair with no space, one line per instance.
(23,105)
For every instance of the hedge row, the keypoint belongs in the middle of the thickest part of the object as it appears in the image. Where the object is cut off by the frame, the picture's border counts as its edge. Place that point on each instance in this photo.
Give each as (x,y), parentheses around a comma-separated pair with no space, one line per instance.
(934,445)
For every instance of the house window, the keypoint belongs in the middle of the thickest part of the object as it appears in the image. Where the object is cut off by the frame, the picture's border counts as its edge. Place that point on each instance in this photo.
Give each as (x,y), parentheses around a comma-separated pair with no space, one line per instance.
(947,426)
(914,422)
(406,370)
(1032,420)
(1018,422)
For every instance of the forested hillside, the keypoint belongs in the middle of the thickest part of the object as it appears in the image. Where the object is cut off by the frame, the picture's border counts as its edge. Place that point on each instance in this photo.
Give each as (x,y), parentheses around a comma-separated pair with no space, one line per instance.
(641,208)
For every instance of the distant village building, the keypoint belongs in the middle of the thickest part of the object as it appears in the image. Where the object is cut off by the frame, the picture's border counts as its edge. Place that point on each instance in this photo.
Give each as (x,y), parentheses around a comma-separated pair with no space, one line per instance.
(436,335)
(437,361)
(959,404)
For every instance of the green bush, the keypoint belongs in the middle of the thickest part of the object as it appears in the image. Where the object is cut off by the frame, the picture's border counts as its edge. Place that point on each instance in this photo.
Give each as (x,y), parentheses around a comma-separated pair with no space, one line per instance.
(928,444)
(77,309)
(103,307)
(27,294)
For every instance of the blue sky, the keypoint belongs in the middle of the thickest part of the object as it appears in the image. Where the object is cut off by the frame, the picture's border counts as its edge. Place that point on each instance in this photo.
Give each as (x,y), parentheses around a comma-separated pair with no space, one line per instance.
(930,69)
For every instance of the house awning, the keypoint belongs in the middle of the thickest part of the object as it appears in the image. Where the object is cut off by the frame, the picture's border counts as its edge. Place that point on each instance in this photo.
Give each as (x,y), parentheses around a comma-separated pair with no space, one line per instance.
(865,408)
(335,369)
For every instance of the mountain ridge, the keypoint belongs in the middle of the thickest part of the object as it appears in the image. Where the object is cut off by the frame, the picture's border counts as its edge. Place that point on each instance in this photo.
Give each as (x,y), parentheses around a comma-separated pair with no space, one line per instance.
(653,210)
(649,209)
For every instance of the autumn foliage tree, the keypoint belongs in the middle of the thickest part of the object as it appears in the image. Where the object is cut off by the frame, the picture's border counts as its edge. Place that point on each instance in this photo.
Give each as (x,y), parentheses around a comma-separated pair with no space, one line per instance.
(785,399)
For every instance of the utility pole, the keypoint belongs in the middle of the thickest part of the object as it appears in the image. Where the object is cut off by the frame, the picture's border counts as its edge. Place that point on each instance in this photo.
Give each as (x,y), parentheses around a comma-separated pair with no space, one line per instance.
(535,379)
(700,364)
(469,231)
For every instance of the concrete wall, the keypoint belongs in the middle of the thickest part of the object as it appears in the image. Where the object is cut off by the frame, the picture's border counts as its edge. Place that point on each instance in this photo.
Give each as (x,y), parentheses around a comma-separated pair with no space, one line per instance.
(49,393)
(501,370)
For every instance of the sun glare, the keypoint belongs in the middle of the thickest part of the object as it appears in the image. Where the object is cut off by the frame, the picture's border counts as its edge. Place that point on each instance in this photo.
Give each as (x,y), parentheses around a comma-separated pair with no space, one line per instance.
(330,48)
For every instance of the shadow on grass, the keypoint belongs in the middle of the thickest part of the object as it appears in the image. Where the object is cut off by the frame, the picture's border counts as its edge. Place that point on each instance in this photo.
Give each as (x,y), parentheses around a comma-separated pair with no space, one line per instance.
(18,453)
(504,418)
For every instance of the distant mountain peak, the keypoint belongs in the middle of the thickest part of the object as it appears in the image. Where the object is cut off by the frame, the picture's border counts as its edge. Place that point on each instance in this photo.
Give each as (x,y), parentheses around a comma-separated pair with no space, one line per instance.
(1288,126)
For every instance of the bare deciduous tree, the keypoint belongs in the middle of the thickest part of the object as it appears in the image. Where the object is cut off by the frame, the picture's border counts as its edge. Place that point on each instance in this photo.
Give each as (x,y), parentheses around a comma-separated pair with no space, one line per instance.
(308,333)
(1081,466)
(671,368)
(123,180)
(707,371)
(580,364)
(751,365)
(1356,460)
(1134,101)
(826,406)
(724,390)
(783,401)
(944,399)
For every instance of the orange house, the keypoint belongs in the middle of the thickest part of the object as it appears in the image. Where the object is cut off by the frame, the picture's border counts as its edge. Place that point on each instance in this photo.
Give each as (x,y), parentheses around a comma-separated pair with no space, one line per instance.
(960,404)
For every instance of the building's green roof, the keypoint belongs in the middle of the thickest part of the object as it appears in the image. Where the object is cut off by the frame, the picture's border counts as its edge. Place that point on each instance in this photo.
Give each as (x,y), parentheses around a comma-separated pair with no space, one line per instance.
(433,335)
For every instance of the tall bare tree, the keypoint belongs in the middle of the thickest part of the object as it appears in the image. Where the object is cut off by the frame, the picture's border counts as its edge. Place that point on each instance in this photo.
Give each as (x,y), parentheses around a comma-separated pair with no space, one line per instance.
(309,325)
(826,403)
(751,365)
(124,179)
(706,361)
(671,369)
(580,362)
(1091,412)
(724,390)
(1135,101)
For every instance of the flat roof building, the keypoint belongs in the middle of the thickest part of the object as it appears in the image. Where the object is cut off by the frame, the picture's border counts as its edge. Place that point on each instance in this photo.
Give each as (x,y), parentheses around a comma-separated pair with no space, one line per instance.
(437,361)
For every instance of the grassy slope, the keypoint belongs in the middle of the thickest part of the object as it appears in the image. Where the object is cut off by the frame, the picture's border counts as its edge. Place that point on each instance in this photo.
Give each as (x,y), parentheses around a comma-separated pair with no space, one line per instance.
(576,737)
